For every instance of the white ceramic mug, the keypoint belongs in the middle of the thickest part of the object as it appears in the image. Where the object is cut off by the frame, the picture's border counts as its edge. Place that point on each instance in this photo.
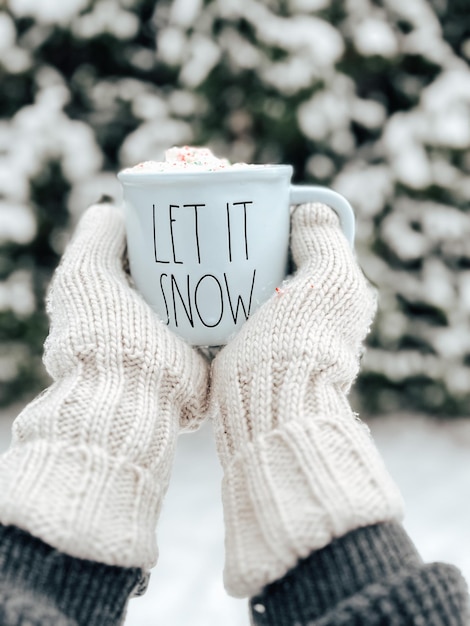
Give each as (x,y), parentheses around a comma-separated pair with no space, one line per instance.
(207,248)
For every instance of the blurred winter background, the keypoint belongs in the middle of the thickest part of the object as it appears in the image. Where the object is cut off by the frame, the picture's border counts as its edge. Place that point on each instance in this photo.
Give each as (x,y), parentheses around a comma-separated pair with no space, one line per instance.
(370,97)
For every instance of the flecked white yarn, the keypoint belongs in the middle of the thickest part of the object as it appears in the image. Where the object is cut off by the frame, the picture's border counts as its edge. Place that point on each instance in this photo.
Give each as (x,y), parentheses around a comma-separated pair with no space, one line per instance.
(299,469)
(90,458)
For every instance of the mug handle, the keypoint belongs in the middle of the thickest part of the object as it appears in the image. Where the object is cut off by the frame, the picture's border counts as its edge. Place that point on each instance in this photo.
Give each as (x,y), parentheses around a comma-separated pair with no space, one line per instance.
(313,193)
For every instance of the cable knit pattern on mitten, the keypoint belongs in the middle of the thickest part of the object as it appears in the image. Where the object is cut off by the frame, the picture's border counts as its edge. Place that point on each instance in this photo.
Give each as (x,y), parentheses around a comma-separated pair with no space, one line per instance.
(299,469)
(90,458)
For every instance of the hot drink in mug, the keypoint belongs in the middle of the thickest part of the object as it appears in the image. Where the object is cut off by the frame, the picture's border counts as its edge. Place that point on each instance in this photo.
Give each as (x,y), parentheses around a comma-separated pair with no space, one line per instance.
(208,241)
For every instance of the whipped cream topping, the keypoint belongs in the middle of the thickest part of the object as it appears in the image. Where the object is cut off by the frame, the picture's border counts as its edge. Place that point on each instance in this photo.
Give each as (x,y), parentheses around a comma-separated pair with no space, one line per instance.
(188,158)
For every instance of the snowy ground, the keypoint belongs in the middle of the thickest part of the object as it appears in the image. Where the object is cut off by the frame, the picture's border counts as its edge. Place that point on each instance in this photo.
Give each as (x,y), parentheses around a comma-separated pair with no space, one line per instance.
(430,461)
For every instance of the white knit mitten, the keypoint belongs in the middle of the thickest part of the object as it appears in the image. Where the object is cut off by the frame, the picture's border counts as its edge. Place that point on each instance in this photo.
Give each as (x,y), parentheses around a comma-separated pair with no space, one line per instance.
(299,469)
(90,458)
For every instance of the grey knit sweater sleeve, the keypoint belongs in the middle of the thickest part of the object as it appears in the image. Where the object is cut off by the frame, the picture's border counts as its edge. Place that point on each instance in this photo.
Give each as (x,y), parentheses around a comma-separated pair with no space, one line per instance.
(40,586)
(372,576)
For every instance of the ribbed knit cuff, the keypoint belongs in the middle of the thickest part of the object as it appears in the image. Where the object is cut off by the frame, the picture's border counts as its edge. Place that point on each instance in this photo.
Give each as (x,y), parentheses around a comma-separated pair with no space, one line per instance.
(371,576)
(294,490)
(40,585)
(83,501)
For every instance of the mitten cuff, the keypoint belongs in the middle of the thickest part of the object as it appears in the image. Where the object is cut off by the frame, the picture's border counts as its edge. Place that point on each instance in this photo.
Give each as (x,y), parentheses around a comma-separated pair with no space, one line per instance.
(83,502)
(294,490)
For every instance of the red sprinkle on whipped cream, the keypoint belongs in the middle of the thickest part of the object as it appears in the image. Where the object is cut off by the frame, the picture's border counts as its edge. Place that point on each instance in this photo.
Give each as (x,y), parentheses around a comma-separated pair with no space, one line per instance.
(188,158)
